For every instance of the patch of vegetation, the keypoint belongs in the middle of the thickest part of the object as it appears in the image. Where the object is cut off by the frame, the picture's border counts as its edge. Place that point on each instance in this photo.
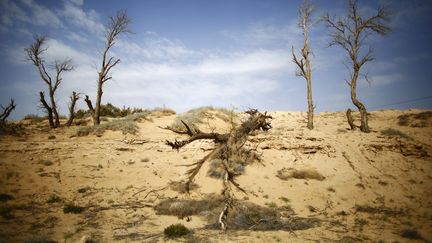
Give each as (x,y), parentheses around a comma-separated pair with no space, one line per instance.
(284,199)
(176,230)
(411,234)
(380,210)
(71,208)
(83,190)
(305,174)
(390,132)
(51,137)
(201,115)
(164,111)
(415,120)
(7,128)
(181,186)
(271,205)
(33,118)
(243,216)
(5,197)
(47,162)
(124,125)
(145,160)
(6,212)
(39,239)
(54,199)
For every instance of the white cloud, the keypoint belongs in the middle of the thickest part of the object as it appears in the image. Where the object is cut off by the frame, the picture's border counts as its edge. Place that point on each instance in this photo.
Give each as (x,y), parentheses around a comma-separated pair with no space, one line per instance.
(81,18)
(42,16)
(11,12)
(77,2)
(76,37)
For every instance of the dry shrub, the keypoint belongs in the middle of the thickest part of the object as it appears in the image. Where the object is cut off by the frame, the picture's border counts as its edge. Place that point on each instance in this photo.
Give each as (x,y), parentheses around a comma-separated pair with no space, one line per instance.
(390,132)
(163,111)
(415,120)
(411,234)
(125,125)
(390,212)
(243,216)
(305,174)
(33,118)
(203,114)
(7,128)
(181,186)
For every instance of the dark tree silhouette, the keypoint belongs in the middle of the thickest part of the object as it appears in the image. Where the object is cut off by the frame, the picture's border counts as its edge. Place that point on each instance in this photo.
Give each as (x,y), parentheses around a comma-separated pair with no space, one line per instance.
(116,26)
(35,54)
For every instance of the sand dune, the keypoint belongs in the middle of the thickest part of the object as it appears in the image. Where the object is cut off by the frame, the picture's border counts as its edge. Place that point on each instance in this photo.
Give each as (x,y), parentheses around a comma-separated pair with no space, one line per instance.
(359,187)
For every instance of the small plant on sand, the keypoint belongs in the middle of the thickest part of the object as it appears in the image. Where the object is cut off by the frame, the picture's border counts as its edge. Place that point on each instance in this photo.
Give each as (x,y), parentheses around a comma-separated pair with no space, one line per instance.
(47,162)
(411,234)
(176,230)
(54,199)
(83,190)
(306,174)
(71,208)
(284,199)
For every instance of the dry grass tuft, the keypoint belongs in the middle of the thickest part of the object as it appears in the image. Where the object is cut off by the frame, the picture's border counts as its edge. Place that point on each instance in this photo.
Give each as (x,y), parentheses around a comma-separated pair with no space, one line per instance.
(304,174)
(243,216)
(415,120)
(181,186)
(390,132)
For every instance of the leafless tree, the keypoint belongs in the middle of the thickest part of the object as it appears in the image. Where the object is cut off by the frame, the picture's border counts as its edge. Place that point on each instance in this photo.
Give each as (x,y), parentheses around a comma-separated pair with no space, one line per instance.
(35,54)
(351,34)
(73,99)
(303,64)
(116,26)
(229,150)
(7,111)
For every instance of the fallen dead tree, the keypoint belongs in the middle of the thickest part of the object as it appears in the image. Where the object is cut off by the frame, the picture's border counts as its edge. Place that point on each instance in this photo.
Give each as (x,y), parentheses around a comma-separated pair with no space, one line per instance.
(228,154)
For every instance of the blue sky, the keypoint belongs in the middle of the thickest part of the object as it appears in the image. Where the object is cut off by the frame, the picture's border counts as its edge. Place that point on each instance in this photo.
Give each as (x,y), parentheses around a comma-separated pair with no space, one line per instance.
(191,53)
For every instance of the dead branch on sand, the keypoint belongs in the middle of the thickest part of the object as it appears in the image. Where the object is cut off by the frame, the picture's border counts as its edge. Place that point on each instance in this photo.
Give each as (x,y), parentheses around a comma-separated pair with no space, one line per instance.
(229,150)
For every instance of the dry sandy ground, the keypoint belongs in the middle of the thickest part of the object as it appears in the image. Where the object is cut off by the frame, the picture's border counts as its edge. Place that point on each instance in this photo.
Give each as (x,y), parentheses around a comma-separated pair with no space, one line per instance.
(376,188)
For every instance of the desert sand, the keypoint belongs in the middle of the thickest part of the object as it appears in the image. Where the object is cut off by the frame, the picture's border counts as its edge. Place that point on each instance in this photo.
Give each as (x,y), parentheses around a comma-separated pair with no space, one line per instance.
(360,187)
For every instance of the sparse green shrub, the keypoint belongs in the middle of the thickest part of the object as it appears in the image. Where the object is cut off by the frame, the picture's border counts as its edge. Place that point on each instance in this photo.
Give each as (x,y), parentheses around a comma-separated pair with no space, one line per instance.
(70,208)
(5,197)
(415,120)
(271,205)
(80,114)
(54,199)
(176,230)
(390,132)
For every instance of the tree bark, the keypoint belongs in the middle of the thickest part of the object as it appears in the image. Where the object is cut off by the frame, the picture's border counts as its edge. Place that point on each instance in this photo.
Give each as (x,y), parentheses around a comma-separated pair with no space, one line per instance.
(364,127)
(96,114)
(47,108)
(73,98)
(54,108)
(7,111)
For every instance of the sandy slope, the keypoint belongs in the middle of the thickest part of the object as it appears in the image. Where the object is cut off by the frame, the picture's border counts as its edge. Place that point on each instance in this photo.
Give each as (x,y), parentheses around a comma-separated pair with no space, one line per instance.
(375,186)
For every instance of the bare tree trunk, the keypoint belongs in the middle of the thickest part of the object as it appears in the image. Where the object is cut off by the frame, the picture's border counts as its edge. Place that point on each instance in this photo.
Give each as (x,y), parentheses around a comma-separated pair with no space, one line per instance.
(303,64)
(350,119)
(73,98)
(364,127)
(54,108)
(90,106)
(48,109)
(96,117)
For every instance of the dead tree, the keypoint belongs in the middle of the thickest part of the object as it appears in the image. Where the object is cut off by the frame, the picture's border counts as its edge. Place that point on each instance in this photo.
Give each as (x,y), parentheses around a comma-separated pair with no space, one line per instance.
(73,99)
(34,54)
(7,111)
(351,33)
(303,64)
(229,150)
(117,25)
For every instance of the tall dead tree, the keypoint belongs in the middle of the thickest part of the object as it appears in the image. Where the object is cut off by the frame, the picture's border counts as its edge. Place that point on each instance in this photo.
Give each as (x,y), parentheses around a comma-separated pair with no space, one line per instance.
(229,153)
(351,34)
(73,99)
(7,111)
(35,54)
(116,26)
(303,64)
